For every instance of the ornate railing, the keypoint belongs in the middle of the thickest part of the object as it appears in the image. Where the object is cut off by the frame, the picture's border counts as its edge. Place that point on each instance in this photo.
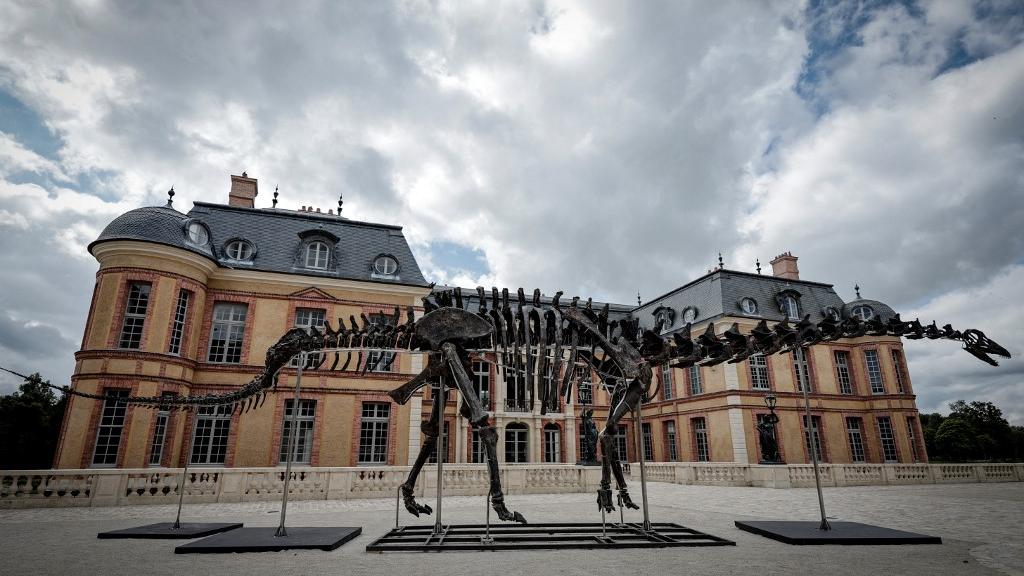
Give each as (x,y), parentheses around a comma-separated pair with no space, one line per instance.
(111,487)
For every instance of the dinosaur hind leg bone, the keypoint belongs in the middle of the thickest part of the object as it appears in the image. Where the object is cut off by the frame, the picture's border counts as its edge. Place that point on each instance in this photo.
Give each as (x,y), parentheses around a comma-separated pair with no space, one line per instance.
(610,464)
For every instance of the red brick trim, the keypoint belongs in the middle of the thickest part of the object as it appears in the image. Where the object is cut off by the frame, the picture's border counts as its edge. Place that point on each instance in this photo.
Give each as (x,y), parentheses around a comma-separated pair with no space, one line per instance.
(94,423)
(822,437)
(361,397)
(121,301)
(693,437)
(219,297)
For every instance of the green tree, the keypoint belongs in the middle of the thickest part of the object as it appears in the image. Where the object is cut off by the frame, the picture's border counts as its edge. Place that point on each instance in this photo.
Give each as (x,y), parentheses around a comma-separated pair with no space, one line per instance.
(993,435)
(30,421)
(955,440)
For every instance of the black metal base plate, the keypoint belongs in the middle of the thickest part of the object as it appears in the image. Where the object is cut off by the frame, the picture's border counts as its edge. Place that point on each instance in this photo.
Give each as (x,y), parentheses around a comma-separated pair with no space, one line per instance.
(264,540)
(167,530)
(849,533)
(562,535)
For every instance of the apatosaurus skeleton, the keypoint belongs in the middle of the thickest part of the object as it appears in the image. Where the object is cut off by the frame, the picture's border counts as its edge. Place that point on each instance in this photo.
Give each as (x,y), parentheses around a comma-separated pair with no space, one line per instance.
(525,338)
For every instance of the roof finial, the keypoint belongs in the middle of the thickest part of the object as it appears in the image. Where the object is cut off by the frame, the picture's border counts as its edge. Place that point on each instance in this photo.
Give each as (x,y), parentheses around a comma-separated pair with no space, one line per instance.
(757,263)
(638,301)
(275,198)
(340,202)
(720,263)
(170,197)
(244,175)
(856,288)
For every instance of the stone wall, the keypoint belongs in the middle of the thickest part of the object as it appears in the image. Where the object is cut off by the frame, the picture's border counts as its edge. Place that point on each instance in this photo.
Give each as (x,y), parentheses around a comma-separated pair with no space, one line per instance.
(114,487)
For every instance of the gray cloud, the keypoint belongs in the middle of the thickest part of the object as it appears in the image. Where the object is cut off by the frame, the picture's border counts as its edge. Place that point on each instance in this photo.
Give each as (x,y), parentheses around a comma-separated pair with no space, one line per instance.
(601,149)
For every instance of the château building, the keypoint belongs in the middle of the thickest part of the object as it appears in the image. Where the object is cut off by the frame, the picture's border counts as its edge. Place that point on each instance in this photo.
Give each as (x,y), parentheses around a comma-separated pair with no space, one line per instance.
(188,303)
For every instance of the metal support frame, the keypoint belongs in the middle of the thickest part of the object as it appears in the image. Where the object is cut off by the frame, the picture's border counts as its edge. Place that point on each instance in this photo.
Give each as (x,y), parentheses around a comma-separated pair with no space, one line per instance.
(184,475)
(442,444)
(292,444)
(809,426)
(638,418)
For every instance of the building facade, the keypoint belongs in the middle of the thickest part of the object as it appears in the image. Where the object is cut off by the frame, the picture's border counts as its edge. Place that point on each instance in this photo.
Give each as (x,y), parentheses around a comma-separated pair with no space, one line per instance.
(188,303)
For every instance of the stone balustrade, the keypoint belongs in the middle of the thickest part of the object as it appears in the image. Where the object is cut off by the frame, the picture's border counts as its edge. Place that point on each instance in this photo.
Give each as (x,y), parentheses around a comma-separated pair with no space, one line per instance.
(112,487)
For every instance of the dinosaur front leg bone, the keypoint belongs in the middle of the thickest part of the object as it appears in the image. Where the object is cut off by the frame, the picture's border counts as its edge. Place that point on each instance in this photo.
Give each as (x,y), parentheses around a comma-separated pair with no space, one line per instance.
(431,429)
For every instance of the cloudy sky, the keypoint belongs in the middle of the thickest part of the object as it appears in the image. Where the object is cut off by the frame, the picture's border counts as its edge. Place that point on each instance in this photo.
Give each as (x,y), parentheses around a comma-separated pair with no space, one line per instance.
(603,149)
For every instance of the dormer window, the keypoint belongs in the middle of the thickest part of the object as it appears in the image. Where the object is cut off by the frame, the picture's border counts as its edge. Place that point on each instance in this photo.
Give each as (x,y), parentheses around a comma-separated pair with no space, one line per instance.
(317,255)
(790,307)
(690,313)
(197,234)
(749,305)
(863,312)
(385,265)
(239,250)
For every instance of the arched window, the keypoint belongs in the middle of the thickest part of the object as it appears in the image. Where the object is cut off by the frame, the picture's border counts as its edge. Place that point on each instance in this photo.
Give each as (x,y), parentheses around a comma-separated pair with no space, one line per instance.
(863,312)
(791,307)
(197,234)
(317,255)
(552,443)
(516,448)
(749,305)
(239,250)
(385,265)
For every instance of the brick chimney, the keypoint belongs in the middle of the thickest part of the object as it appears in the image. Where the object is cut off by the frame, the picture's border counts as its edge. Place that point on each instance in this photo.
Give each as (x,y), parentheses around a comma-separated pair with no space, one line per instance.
(243,191)
(784,266)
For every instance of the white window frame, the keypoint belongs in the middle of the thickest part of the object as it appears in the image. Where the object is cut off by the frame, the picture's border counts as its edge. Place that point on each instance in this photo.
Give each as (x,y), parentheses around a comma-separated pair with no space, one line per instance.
(887,438)
(305,318)
(667,382)
(864,312)
(481,375)
(855,438)
(318,255)
(211,436)
(306,422)
(517,443)
(647,439)
(802,364)
(239,251)
(749,305)
(897,365)
(229,320)
(197,234)
(374,427)
(791,307)
(700,439)
(815,432)
(159,441)
(874,369)
(621,438)
(844,378)
(133,325)
(696,384)
(178,324)
(759,377)
(671,441)
(110,431)
(552,444)
(385,265)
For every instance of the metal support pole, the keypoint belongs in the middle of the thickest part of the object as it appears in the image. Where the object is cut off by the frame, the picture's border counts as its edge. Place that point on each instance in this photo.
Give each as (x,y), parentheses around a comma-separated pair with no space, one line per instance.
(398,497)
(809,426)
(622,513)
(486,538)
(638,418)
(441,445)
(184,476)
(292,443)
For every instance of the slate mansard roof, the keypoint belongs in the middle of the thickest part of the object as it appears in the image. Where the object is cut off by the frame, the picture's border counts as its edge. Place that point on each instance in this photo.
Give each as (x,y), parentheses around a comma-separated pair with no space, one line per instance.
(721,292)
(277,236)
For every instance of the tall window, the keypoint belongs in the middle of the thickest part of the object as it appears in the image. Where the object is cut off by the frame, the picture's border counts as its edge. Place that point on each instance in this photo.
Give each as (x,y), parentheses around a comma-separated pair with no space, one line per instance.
(445,442)
(134,315)
(700,439)
(305,318)
(373,433)
(552,443)
(210,441)
(695,384)
(108,435)
(842,359)
(670,441)
(667,384)
(317,255)
(227,333)
(515,443)
(759,372)
(478,452)
(621,443)
(383,361)
(912,436)
(885,435)
(648,441)
(897,364)
(790,307)
(812,438)
(156,447)
(482,382)
(178,324)
(303,452)
(586,387)
(874,372)
(803,374)
(515,387)
(855,435)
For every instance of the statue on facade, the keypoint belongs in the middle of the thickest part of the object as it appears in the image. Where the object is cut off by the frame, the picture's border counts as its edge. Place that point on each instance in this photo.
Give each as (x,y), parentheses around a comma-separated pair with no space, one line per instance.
(588,439)
(767,436)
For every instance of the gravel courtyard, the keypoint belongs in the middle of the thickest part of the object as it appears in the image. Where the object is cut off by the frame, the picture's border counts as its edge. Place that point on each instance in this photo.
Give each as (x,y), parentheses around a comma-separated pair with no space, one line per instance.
(981,525)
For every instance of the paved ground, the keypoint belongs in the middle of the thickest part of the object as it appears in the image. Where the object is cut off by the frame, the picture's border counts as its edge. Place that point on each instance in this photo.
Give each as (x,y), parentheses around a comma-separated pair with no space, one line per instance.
(982,527)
